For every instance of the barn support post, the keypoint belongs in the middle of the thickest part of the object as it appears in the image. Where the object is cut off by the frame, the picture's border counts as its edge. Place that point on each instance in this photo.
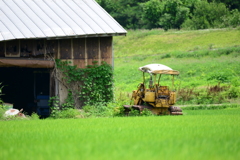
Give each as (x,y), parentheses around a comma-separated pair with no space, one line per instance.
(99,52)
(86,56)
(112,54)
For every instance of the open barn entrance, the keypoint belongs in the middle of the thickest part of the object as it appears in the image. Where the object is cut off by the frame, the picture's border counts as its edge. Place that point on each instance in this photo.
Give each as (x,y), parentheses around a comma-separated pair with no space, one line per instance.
(26,88)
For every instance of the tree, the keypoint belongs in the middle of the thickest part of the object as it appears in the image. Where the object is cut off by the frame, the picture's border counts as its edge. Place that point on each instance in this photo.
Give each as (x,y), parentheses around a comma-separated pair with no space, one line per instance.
(126,12)
(165,14)
(231,4)
(153,10)
(206,15)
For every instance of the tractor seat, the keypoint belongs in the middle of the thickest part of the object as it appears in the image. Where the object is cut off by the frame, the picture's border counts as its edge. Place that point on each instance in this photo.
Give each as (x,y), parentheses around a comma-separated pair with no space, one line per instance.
(163,96)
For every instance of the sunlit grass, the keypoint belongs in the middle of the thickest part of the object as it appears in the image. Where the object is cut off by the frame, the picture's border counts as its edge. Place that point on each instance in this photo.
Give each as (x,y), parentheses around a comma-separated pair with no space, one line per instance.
(193,71)
(204,134)
(144,42)
(196,54)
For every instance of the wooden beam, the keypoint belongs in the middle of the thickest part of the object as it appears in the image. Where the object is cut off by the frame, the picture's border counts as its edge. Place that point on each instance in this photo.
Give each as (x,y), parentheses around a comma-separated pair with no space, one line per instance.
(72,49)
(58,53)
(86,56)
(99,51)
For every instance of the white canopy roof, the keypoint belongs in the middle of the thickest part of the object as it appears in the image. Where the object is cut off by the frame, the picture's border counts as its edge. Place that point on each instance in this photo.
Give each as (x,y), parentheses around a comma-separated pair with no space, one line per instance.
(158,69)
(25,19)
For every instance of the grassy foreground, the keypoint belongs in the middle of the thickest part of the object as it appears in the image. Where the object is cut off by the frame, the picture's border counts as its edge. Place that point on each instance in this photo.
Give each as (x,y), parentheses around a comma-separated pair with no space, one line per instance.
(202,134)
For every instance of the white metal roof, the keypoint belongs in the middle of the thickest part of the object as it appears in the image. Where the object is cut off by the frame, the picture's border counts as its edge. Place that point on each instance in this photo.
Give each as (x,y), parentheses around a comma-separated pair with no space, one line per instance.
(24,19)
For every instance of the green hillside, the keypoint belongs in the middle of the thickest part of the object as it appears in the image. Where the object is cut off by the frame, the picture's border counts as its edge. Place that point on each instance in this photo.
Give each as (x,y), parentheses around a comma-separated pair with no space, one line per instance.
(204,58)
(149,42)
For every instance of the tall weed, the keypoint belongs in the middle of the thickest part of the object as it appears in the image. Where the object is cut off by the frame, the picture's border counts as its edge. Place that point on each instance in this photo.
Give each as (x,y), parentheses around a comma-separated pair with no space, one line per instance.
(67,113)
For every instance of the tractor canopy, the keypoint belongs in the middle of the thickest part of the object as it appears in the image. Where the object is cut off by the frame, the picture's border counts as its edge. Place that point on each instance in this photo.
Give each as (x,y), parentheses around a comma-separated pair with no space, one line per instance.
(158,69)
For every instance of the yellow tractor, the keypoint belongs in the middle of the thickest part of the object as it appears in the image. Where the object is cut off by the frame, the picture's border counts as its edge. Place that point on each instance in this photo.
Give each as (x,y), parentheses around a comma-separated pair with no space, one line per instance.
(155,97)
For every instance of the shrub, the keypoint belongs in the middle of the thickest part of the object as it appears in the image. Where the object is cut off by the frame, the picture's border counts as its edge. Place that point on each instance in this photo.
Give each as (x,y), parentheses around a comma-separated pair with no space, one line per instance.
(233,92)
(34,116)
(134,112)
(98,110)
(230,20)
(221,77)
(68,113)
(146,112)
(2,111)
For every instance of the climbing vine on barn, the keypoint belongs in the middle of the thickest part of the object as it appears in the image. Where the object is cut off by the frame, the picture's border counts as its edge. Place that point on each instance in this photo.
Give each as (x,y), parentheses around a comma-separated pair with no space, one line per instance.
(89,85)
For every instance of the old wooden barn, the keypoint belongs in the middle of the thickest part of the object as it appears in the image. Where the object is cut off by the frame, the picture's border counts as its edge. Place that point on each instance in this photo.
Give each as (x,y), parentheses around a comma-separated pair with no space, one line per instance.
(33,32)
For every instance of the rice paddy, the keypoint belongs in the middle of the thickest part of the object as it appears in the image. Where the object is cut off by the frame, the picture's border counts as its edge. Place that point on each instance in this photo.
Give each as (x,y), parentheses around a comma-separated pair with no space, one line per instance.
(198,134)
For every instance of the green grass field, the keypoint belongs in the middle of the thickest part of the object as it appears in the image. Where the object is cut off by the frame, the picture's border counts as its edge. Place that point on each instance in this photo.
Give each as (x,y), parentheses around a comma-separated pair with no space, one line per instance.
(201,134)
(157,41)
(200,56)
(203,58)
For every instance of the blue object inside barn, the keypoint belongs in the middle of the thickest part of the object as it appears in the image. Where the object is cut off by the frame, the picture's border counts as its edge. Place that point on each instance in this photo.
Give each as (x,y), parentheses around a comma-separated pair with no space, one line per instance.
(43,108)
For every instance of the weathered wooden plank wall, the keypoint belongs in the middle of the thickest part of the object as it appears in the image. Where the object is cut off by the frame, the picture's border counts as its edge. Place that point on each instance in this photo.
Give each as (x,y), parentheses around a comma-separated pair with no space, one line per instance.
(81,51)
(65,48)
(52,47)
(26,48)
(2,49)
(38,47)
(106,49)
(92,50)
(12,48)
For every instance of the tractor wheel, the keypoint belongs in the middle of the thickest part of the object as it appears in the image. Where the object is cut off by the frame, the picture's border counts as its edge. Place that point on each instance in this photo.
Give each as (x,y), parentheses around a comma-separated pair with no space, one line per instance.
(175,110)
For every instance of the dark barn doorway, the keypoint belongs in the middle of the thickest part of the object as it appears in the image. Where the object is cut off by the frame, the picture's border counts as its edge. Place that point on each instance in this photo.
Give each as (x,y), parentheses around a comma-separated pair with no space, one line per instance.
(23,87)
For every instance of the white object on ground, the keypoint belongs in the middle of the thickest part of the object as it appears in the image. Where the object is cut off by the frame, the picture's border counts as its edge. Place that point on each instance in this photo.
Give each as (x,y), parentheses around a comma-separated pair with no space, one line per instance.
(11,112)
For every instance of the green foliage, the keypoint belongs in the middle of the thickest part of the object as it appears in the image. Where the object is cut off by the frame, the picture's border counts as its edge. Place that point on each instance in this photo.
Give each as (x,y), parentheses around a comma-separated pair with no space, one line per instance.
(203,57)
(216,94)
(2,111)
(67,113)
(69,102)
(211,15)
(167,55)
(146,112)
(66,110)
(230,20)
(232,4)
(34,116)
(55,107)
(95,82)
(233,92)
(166,14)
(1,87)
(119,111)
(112,109)
(211,107)
(134,112)
(127,12)
(173,14)
(198,135)
(219,77)
(152,12)
(98,110)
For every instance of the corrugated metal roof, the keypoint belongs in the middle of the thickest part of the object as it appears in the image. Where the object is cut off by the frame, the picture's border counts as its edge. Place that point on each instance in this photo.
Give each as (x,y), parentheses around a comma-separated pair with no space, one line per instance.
(24,19)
